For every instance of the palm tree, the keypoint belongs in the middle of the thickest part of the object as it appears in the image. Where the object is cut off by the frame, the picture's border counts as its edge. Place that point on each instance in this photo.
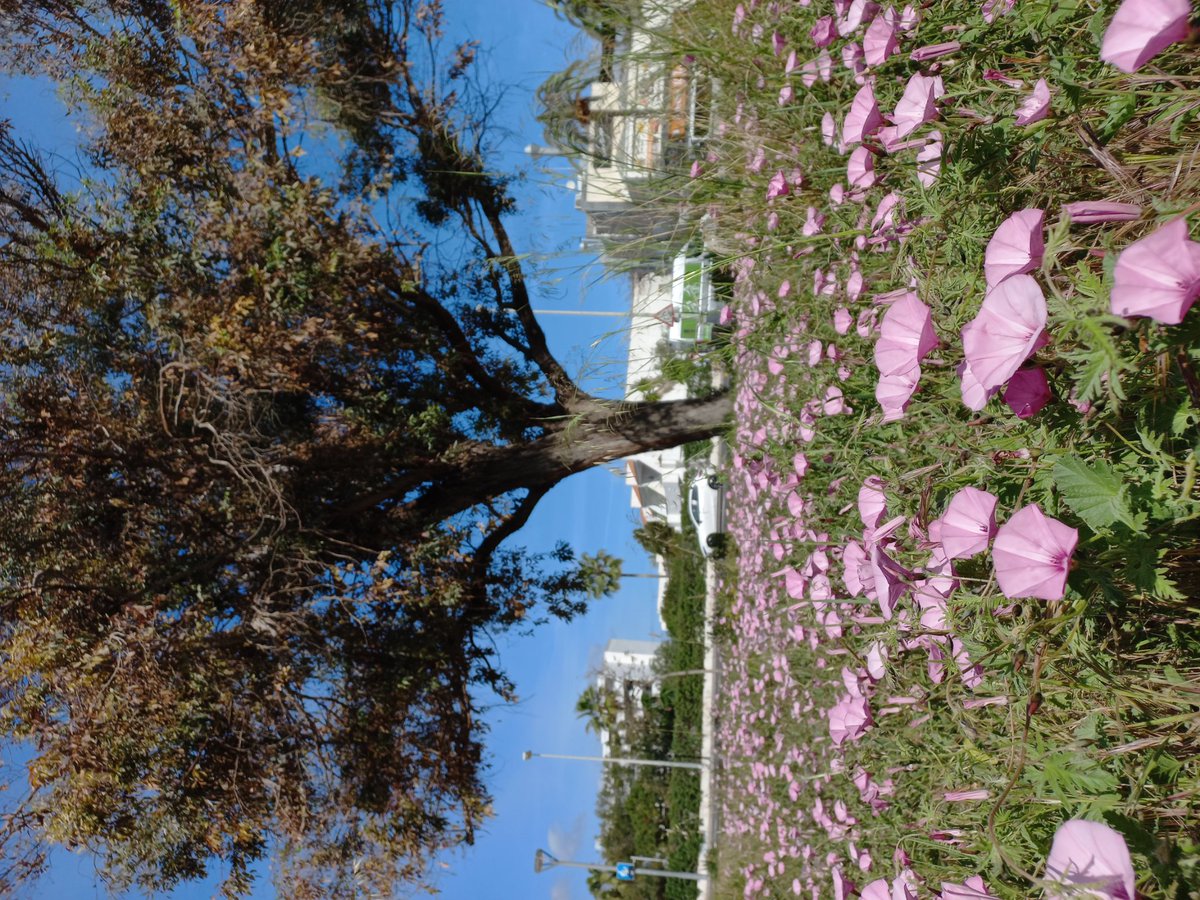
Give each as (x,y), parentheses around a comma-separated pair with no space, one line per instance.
(598,707)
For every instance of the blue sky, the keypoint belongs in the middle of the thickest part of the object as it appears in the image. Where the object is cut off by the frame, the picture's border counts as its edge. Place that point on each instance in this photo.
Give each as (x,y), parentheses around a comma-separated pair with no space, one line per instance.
(541,803)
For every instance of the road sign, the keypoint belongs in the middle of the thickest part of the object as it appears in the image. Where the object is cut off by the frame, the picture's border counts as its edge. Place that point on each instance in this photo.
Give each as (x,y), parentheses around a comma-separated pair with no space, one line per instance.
(625,871)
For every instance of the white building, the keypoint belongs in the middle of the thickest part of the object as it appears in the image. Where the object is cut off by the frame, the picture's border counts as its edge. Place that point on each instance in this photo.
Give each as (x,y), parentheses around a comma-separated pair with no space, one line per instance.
(628,672)
(654,477)
(645,117)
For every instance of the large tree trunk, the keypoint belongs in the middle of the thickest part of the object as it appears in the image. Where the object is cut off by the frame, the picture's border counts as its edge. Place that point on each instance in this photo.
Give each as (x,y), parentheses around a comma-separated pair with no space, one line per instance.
(598,432)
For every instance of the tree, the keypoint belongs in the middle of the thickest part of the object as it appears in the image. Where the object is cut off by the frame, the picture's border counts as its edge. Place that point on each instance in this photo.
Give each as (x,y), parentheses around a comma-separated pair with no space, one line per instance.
(598,707)
(268,420)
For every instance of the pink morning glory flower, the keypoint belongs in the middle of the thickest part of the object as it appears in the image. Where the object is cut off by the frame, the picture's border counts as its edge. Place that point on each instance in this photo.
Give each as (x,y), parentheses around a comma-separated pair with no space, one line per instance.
(1027,392)
(1087,212)
(933,51)
(880,41)
(860,11)
(872,504)
(918,104)
(1032,555)
(929,160)
(893,392)
(974,395)
(889,580)
(993,8)
(1036,106)
(972,889)
(905,336)
(1009,327)
(852,58)
(1158,276)
(967,525)
(876,890)
(1016,247)
(778,186)
(963,796)
(849,720)
(860,168)
(864,117)
(1089,860)
(1143,28)
(823,32)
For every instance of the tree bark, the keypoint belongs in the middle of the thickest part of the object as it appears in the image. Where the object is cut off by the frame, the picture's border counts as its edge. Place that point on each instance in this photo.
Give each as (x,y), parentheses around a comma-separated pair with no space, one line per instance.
(596,432)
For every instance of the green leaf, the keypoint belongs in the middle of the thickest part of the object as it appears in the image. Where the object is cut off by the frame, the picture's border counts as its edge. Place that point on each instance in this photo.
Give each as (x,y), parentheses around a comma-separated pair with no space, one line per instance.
(1185,419)
(1095,492)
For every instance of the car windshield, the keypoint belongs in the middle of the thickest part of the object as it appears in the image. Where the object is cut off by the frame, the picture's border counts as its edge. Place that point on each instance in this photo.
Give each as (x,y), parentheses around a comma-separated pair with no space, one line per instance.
(694,505)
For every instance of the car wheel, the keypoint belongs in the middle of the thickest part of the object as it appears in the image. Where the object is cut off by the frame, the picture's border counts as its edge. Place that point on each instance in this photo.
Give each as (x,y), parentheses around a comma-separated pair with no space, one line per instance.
(714,482)
(716,543)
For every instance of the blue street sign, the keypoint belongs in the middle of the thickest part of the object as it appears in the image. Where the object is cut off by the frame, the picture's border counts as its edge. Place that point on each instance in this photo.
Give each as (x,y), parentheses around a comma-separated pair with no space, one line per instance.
(625,871)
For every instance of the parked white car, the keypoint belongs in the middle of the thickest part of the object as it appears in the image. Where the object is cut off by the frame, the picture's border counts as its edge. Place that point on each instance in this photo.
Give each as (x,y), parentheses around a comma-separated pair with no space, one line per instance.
(706,509)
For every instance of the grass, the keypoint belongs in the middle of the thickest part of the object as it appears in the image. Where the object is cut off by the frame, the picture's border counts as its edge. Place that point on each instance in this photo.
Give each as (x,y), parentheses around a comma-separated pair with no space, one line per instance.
(1096,697)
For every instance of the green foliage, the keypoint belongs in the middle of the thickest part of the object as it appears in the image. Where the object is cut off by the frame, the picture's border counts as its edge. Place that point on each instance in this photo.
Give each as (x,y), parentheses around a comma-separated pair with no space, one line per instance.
(654,812)
(1097,494)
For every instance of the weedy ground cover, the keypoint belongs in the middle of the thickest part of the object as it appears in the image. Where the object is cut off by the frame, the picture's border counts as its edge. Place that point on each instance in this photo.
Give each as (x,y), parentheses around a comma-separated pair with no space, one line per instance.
(897,705)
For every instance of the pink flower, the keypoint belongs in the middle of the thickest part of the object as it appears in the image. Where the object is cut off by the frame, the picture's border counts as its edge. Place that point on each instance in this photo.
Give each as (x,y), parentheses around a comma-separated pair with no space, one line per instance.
(1036,106)
(823,32)
(814,221)
(828,129)
(929,160)
(1141,29)
(860,168)
(1087,212)
(993,8)
(995,75)
(852,58)
(889,579)
(1008,328)
(696,169)
(878,889)
(933,51)
(905,336)
(876,656)
(1032,555)
(972,889)
(880,41)
(849,720)
(778,186)
(860,11)
(787,94)
(1016,247)
(1158,276)
(903,888)
(967,525)
(872,504)
(918,105)
(961,796)
(1089,860)
(893,392)
(864,117)
(1027,392)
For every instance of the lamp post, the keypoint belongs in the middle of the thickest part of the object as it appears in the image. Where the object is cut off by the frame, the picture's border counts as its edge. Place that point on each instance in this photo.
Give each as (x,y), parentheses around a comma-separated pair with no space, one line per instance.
(617,760)
(624,871)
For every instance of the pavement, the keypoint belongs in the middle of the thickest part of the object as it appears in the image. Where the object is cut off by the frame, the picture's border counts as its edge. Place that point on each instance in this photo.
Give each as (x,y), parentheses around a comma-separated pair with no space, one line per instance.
(710,825)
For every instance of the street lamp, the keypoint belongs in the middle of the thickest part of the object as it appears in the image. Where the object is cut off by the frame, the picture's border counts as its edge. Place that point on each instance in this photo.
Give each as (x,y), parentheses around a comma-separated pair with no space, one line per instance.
(617,760)
(542,860)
